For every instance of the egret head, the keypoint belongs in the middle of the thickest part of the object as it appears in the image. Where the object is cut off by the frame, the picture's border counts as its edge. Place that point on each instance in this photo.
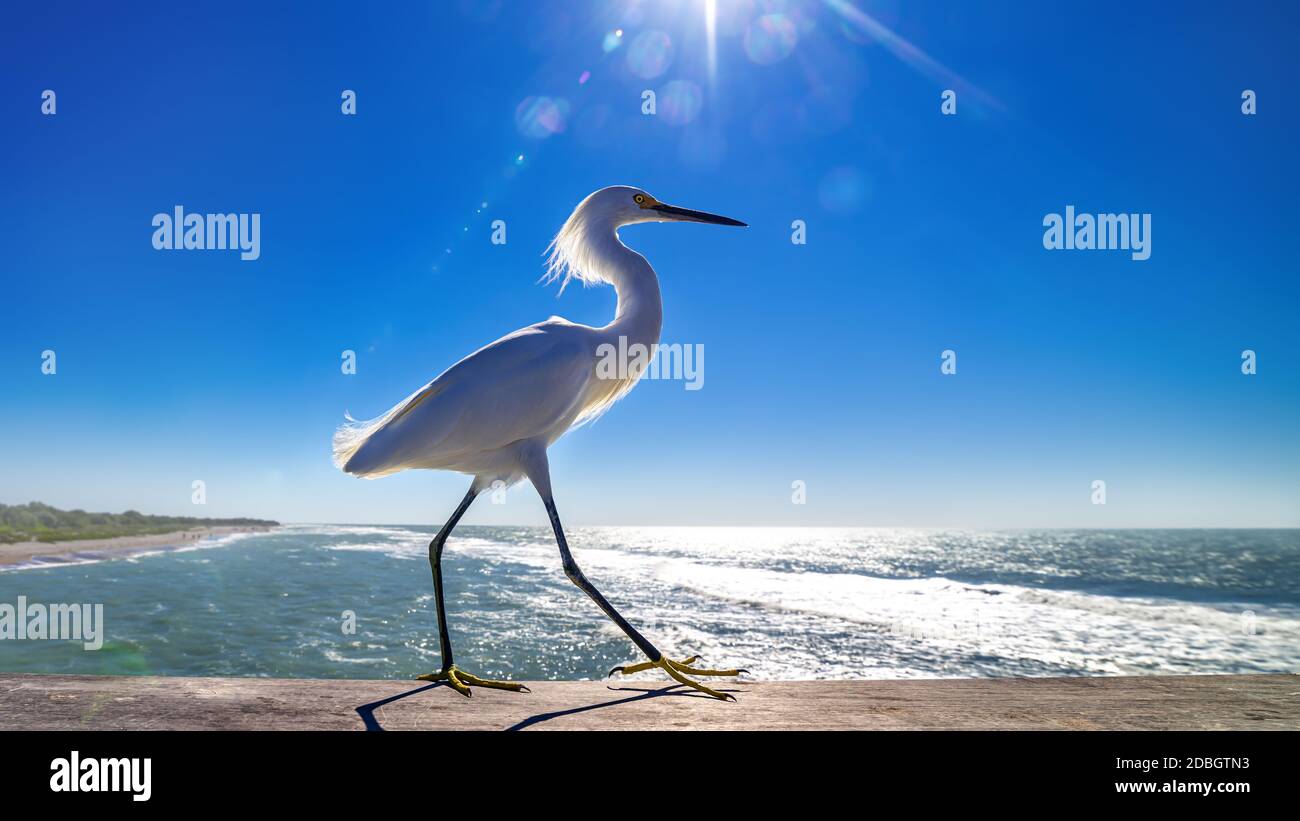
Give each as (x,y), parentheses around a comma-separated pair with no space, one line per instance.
(626,205)
(580,250)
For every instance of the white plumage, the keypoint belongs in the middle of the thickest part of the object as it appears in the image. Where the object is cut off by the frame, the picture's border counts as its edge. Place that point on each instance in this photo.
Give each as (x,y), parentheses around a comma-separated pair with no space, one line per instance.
(493,412)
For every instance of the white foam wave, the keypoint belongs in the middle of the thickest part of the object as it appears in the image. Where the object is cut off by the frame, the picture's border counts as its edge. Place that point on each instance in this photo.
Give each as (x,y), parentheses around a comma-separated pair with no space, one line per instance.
(1062,628)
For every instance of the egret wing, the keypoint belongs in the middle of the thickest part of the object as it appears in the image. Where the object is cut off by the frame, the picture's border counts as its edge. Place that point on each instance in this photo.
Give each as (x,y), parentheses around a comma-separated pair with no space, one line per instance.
(531,383)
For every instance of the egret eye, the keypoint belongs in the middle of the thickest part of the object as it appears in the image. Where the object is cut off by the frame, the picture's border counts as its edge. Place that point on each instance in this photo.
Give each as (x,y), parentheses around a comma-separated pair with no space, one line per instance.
(640,198)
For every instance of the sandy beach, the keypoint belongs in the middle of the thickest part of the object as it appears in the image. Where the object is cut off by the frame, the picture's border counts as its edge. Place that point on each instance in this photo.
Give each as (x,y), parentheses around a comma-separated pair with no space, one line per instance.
(26,552)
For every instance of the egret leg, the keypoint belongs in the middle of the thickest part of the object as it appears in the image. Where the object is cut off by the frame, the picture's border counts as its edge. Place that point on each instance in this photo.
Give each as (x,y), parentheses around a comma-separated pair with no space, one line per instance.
(675,669)
(458,679)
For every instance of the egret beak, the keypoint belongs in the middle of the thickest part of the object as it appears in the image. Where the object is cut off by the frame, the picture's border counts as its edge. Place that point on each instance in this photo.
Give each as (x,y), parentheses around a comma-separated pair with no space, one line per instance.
(676,214)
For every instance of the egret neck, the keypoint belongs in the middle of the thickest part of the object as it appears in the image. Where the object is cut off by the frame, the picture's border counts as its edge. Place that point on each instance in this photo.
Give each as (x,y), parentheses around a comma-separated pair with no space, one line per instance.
(639,316)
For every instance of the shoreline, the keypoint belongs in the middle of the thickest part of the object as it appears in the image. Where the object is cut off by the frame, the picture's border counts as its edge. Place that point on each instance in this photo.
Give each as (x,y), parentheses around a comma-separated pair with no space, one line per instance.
(34,554)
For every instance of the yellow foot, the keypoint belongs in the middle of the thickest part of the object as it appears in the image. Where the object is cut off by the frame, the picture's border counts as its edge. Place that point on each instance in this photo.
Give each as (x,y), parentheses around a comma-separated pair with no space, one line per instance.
(461,681)
(679,669)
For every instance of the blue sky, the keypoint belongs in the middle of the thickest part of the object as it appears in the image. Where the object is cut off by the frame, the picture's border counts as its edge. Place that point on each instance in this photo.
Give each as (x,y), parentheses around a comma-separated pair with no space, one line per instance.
(822,360)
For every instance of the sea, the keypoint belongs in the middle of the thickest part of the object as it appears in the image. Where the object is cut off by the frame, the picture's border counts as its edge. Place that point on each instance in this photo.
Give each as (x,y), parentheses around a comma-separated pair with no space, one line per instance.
(356,601)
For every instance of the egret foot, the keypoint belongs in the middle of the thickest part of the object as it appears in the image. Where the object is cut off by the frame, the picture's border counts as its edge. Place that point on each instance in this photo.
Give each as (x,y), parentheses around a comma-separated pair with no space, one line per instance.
(679,669)
(460,681)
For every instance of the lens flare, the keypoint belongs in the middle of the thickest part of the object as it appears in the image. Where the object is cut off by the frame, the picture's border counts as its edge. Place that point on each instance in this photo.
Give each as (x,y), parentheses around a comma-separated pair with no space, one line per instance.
(680,102)
(865,28)
(711,37)
(770,39)
(650,54)
(540,117)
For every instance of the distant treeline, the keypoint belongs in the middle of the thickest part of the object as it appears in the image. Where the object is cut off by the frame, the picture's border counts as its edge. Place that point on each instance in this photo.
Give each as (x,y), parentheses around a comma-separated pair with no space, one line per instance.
(37,522)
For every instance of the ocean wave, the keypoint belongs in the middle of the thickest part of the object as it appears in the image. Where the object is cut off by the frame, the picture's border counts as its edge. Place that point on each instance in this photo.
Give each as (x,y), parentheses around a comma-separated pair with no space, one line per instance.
(1069,630)
(788,604)
(408,549)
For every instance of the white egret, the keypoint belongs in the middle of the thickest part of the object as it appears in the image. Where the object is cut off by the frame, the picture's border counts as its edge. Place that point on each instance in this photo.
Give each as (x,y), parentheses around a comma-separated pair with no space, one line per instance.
(493,414)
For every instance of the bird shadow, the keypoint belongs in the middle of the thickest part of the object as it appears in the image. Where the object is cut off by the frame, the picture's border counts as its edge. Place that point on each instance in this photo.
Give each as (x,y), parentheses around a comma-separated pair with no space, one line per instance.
(367,711)
(672,690)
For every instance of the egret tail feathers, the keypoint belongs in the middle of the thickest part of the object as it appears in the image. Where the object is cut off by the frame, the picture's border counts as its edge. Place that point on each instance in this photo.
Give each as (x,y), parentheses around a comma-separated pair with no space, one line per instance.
(352,436)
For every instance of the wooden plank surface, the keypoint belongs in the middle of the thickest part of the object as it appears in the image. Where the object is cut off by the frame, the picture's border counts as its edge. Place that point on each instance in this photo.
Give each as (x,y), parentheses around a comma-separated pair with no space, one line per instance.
(35,702)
